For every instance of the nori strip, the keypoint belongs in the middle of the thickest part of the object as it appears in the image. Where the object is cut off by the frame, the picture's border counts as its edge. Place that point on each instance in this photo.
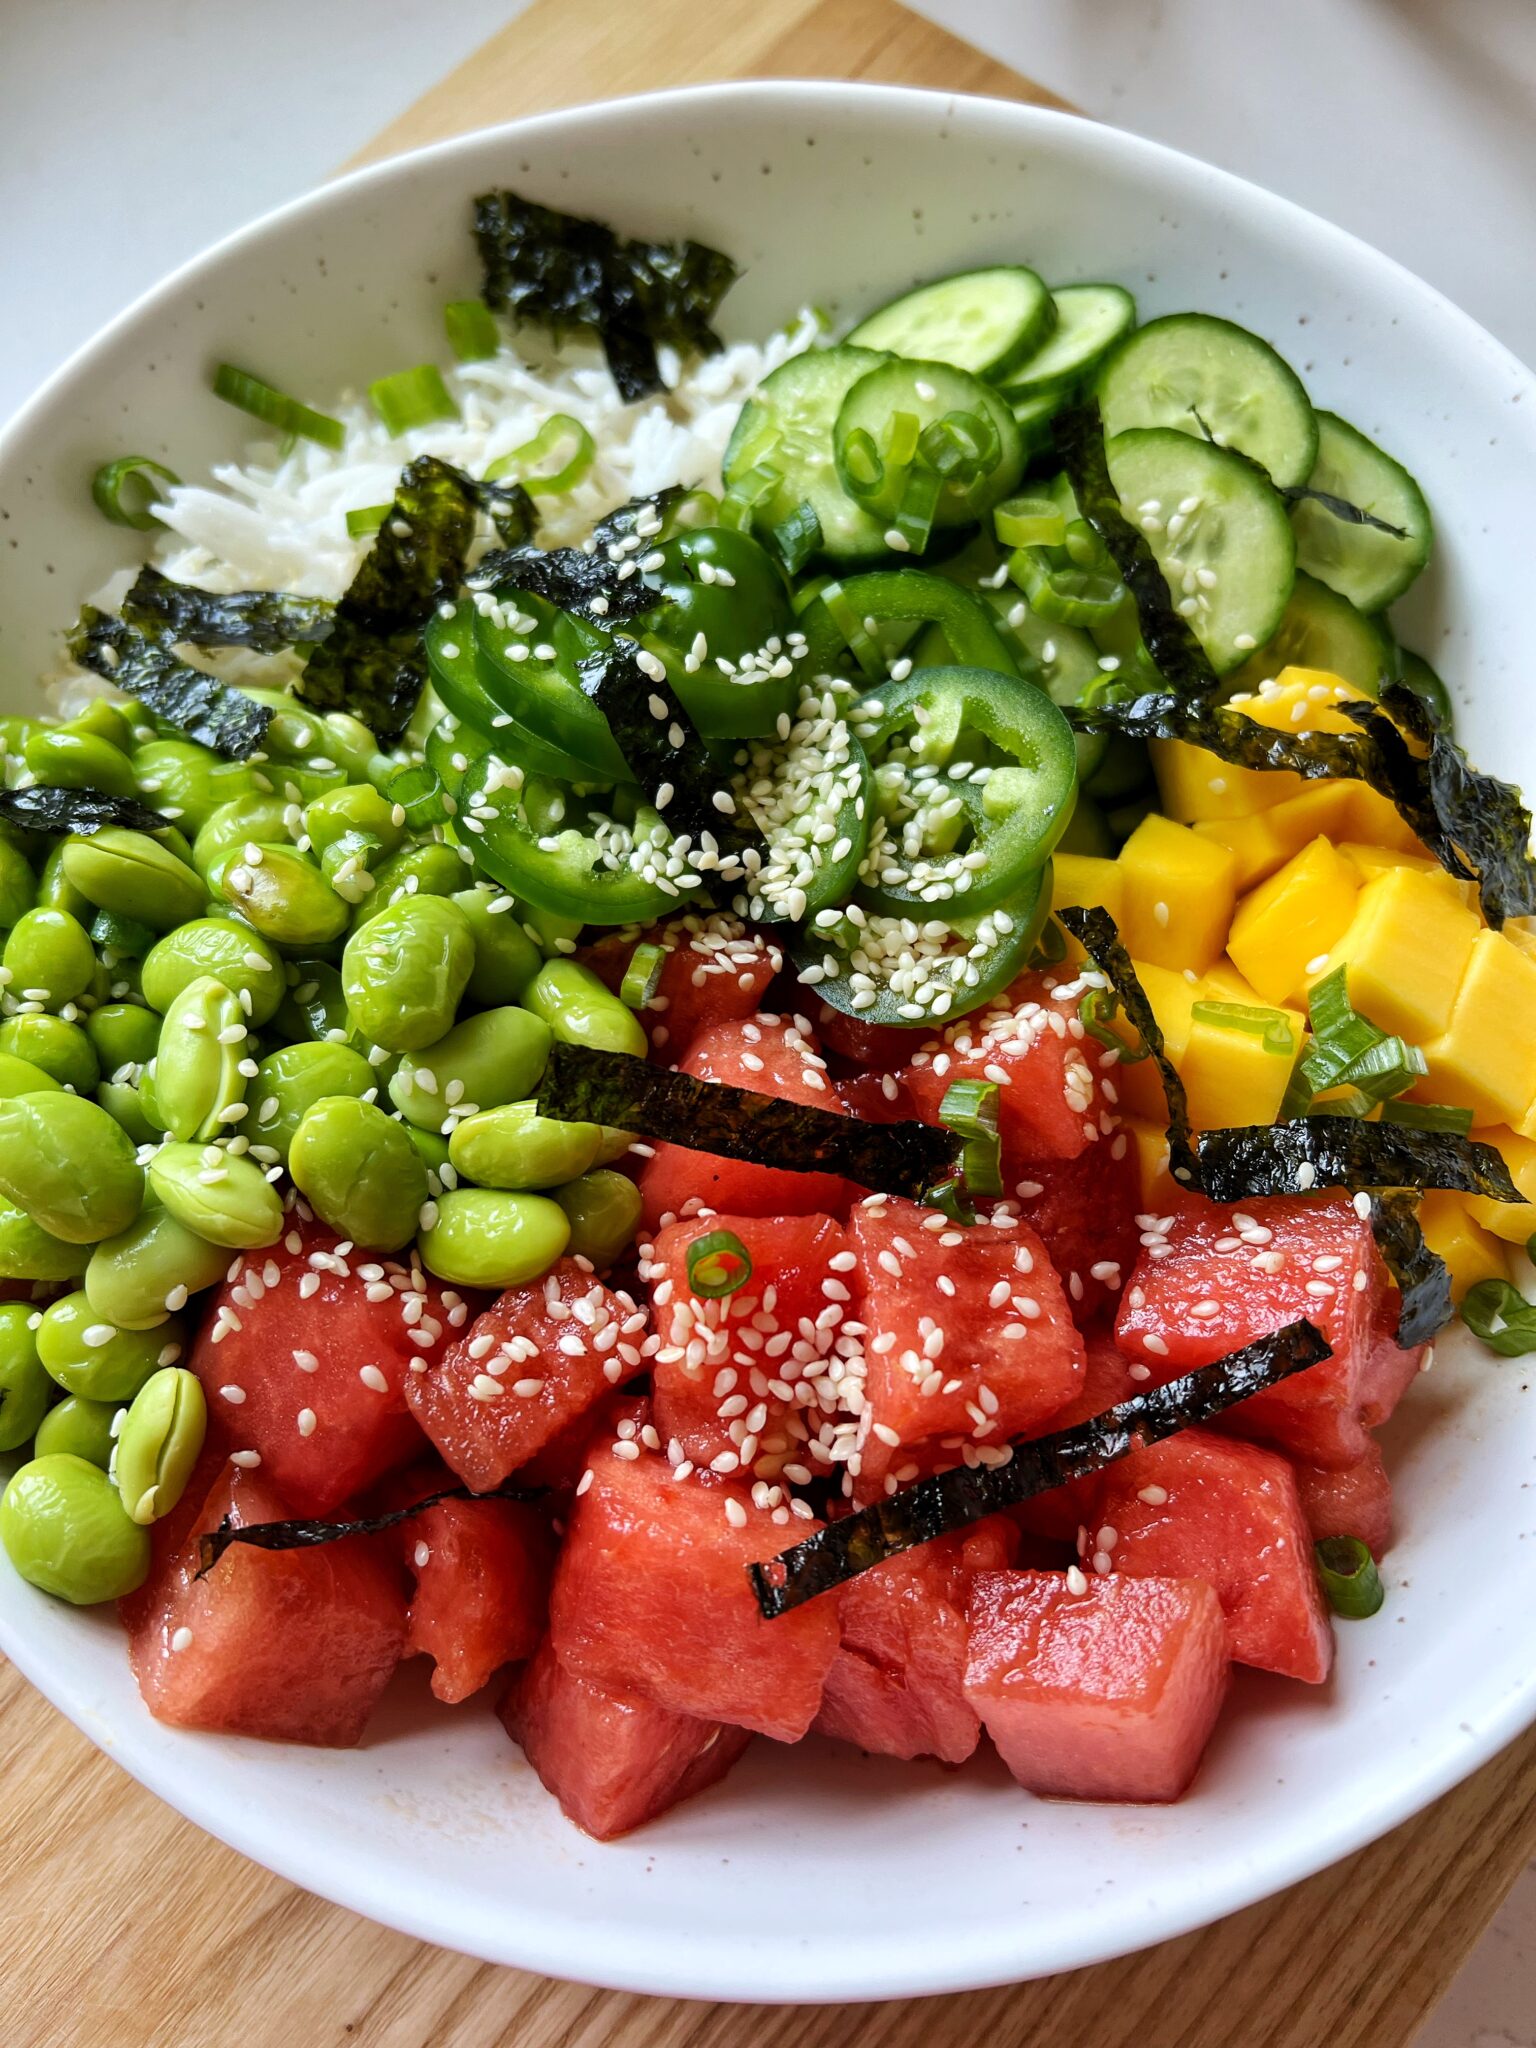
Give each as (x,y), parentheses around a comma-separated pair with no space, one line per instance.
(570,578)
(624,519)
(951,1500)
(306,1533)
(263,620)
(1296,494)
(196,705)
(1345,1152)
(43,808)
(1423,1277)
(373,664)
(563,270)
(507,505)
(583,1084)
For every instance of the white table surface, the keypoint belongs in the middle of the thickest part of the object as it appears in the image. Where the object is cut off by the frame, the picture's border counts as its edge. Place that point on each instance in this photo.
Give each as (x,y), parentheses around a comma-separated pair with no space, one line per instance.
(135,132)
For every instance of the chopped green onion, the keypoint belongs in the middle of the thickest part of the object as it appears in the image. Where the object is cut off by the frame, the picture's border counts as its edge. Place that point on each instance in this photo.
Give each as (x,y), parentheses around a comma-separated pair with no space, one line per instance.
(274,408)
(472,330)
(797,536)
(1347,1052)
(1096,1012)
(919,502)
(642,975)
(718,1263)
(949,1197)
(862,464)
(419,792)
(849,621)
(558,431)
(1030,523)
(1427,1116)
(749,491)
(1501,1317)
(124,494)
(1349,1577)
(903,430)
(696,507)
(970,1108)
(1051,946)
(367,519)
(412,398)
(1273,1026)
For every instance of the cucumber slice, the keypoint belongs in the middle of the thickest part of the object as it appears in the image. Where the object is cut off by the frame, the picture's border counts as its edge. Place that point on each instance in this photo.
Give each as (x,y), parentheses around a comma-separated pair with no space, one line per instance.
(1425,682)
(926,393)
(1090,319)
(1212,379)
(1219,532)
(1362,563)
(787,427)
(1033,414)
(983,321)
(1322,630)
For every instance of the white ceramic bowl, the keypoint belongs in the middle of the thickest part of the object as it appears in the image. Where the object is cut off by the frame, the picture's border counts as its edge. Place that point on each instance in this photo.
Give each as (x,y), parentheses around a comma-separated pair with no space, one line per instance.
(821,1874)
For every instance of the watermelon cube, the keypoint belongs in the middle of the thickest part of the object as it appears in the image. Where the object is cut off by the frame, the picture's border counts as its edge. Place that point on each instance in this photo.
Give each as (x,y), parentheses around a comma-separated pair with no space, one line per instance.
(540,1356)
(651,1598)
(613,1761)
(1084,1212)
(716,971)
(1210,1507)
(1356,1501)
(564,1458)
(1059,1514)
(1110,1693)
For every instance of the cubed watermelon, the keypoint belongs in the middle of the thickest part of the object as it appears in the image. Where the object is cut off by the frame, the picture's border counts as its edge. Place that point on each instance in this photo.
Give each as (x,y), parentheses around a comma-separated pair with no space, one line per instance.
(1059,1514)
(538,1358)
(716,970)
(1084,1212)
(1210,1507)
(291,1645)
(651,1597)
(613,1761)
(1356,1501)
(1110,1693)
(881,1048)
(564,1458)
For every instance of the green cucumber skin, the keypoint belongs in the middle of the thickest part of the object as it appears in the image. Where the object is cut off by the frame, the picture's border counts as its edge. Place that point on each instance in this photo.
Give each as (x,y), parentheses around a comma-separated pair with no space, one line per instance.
(1371,569)
(1024,332)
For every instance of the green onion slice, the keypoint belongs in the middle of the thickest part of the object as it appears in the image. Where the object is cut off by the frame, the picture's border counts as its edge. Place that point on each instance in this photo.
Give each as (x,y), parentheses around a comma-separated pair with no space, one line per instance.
(1427,1116)
(970,1109)
(124,494)
(1097,1011)
(412,398)
(1349,1576)
(1348,1052)
(642,975)
(797,536)
(1030,523)
(1501,1317)
(367,519)
(1273,1026)
(560,437)
(274,408)
(419,791)
(472,331)
(718,1263)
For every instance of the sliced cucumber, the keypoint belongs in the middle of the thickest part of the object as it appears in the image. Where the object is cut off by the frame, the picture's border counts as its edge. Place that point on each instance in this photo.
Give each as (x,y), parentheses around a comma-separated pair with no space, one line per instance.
(1362,563)
(983,321)
(1033,415)
(786,428)
(1213,380)
(1423,680)
(1219,532)
(1322,630)
(924,395)
(1090,319)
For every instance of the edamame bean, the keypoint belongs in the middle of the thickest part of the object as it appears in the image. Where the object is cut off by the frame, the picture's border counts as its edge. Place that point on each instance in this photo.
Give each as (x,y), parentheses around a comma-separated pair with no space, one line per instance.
(65,1161)
(480,1237)
(222,1195)
(135,876)
(514,1147)
(282,894)
(315,1005)
(199,1090)
(120,938)
(57,1046)
(55,891)
(506,959)
(28,1252)
(22,1077)
(67,1533)
(231,952)
(18,884)
(357,808)
(359,1172)
(82,1428)
(247,820)
(159,1443)
(405,970)
(415,872)
(125,1103)
(103,718)
(189,782)
(290,1081)
(579,1010)
(604,1212)
(432,1150)
(495,1057)
(124,1035)
(149,1101)
(131,1279)
(49,958)
(95,1356)
(80,760)
(25,1388)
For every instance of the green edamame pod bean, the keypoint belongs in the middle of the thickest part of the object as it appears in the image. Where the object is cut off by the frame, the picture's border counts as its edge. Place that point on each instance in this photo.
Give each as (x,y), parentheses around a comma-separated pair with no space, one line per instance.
(257,819)
(282,894)
(103,718)
(405,970)
(494,1057)
(159,1443)
(65,1161)
(356,808)
(18,884)
(22,1077)
(347,864)
(332,737)
(49,958)
(480,1237)
(149,1101)
(549,931)
(125,1103)
(80,760)
(121,938)
(189,782)
(230,951)
(66,1531)
(604,1212)
(131,1279)
(616,1145)
(506,959)
(514,1147)
(25,1388)
(135,876)
(93,1355)
(28,1252)
(124,1035)
(290,1081)
(55,891)
(57,1046)
(579,1010)
(199,1090)
(359,1172)
(432,1150)
(222,1195)
(414,872)
(82,1428)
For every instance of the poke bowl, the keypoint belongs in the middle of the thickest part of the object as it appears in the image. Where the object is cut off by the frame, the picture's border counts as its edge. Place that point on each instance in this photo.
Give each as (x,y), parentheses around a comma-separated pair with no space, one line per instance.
(758,1025)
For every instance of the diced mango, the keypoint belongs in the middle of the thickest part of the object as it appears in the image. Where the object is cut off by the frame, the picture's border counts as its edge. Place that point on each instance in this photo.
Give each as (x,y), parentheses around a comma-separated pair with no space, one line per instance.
(1514,1222)
(1291,921)
(1179,893)
(1193,784)
(1378,819)
(1223,984)
(1172,998)
(1519,930)
(1158,1186)
(1470,1251)
(1256,843)
(1485,1060)
(1086,879)
(1234,1073)
(1267,840)
(1373,859)
(1406,950)
(1300,700)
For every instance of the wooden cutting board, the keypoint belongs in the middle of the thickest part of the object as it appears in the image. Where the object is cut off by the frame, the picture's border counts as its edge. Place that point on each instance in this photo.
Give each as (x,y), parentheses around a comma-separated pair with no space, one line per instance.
(124,1927)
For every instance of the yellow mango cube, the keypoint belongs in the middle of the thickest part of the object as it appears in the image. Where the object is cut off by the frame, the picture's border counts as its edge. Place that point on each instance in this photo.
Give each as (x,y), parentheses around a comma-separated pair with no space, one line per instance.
(1514,1222)
(1223,984)
(1158,1186)
(1087,879)
(1373,859)
(1232,1072)
(1406,950)
(1284,929)
(1256,843)
(1471,1252)
(1267,840)
(1193,784)
(1485,1060)
(1377,819)
(1179,893)
(1139,1086)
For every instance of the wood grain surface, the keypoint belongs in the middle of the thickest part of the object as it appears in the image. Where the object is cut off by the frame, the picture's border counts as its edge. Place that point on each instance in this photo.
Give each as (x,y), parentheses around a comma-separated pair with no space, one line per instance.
(122,1926)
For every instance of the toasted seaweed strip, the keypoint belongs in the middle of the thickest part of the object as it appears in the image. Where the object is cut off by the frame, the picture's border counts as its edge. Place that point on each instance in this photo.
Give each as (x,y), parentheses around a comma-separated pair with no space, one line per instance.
(1295,494)
(570,578)
(624,519)
(43,808)
(1099,936)
(952,1500)
(263,620)
(623,1091)
(373,664)
(507,505)
(564,271)
(1423,1277)
(307,1533)
(1345,1152)
(202,708)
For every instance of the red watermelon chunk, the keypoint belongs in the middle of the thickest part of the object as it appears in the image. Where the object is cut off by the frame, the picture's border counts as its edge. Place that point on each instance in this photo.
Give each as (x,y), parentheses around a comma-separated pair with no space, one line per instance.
(538,1358)
(716,970)
(564,1458)
(1390,1370)
(775,1056)
(292,1645)
(969,1340)
(742,1380)
(1356,1501)
(1110,1693)
(1084,1212)
(1059,1514)
(651,1597)
(613,1761)
(306,1357)
(1209,1507)
(882,1048)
